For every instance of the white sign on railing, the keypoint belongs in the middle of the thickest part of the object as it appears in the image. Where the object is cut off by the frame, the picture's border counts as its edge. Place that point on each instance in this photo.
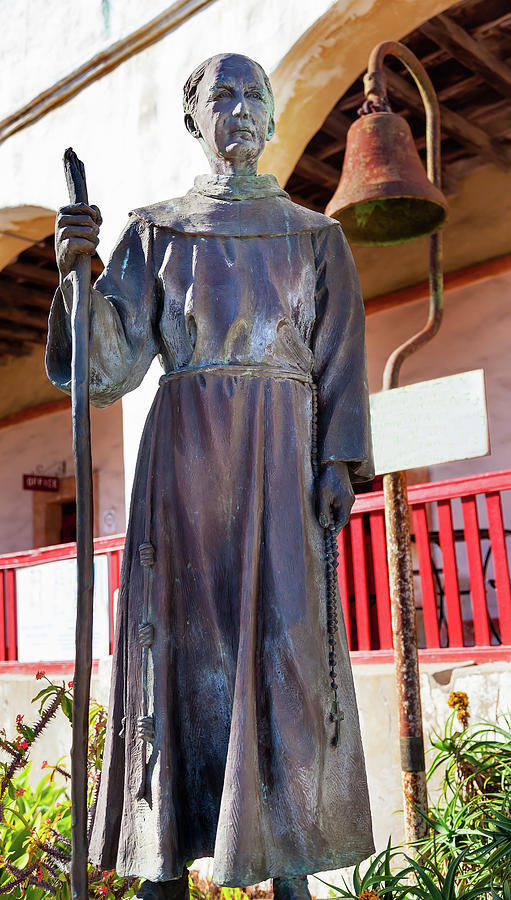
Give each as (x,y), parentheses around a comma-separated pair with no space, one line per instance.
(46,610)
(430,422)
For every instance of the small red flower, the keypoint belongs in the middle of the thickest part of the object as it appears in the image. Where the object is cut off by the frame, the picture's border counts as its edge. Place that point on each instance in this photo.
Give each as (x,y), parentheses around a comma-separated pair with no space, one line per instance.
(24,745)
(103,889)
(70,684)
(39,874)
(40,675)
(44,764)
(19,719)
(20,791)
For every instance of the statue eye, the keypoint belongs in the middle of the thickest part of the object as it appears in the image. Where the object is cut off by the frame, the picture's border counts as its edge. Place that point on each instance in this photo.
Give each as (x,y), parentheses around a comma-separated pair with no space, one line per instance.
(220,93)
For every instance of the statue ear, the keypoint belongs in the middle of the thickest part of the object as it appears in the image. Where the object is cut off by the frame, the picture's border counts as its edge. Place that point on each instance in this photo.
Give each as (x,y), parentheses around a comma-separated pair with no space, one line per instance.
(270,131)
(191,126)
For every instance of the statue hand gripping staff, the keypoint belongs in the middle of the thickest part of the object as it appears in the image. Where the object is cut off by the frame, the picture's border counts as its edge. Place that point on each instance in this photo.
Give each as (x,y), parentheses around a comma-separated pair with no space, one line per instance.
(81,274)
(231,674)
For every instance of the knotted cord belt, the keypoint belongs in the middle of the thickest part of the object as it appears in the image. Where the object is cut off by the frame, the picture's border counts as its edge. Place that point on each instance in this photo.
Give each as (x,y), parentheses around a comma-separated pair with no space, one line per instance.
(331,556)
(145,722)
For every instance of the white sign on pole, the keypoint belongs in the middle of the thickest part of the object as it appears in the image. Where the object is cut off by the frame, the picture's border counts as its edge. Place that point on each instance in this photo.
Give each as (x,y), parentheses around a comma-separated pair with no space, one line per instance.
(46,610)
(430,422)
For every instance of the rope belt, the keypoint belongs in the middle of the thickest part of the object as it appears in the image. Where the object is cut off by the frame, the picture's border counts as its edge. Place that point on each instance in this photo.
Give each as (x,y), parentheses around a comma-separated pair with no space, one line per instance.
(331,556)
(254,371)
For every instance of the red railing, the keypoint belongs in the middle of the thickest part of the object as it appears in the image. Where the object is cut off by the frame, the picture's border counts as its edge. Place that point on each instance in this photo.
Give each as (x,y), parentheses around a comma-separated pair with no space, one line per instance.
(461,551)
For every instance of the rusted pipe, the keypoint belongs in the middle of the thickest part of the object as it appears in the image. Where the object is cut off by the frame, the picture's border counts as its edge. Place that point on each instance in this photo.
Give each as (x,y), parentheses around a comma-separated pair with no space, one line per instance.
(404,634)
(397,516)
(436,304)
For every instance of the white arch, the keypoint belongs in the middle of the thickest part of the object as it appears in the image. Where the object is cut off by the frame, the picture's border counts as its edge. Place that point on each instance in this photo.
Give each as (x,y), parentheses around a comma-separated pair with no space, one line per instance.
(22,226)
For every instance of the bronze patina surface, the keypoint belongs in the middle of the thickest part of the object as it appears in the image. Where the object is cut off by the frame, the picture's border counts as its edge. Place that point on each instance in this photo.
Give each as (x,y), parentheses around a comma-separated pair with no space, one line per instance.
(222,740)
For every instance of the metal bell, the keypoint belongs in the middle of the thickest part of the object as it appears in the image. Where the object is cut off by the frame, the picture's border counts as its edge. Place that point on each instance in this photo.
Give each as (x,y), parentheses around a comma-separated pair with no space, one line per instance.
(384,195)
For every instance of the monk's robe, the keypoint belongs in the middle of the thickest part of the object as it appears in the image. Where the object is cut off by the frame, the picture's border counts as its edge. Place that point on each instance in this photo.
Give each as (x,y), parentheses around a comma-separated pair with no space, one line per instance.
(251,303)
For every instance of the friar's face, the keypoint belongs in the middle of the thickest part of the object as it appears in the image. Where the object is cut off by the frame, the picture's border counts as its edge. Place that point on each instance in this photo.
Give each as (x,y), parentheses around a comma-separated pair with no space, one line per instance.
(233,115)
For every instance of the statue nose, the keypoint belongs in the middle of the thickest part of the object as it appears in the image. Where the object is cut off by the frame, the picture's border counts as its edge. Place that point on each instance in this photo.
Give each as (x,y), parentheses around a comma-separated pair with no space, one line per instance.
(240,110)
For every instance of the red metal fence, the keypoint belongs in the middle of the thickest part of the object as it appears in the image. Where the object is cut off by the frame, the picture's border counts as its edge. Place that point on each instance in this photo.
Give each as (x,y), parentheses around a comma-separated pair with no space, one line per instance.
(461,549)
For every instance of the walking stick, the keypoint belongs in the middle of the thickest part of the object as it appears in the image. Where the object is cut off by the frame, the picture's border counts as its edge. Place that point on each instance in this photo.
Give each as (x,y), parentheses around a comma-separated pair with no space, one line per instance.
(75,177)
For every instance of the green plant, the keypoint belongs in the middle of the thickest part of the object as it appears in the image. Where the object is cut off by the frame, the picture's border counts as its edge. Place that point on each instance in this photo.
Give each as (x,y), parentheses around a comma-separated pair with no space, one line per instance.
(35,823)
(378,882)
(472,818)
(466,853)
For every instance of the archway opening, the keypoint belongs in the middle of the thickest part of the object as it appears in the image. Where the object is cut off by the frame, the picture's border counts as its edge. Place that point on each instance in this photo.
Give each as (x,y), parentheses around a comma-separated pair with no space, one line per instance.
(463,52)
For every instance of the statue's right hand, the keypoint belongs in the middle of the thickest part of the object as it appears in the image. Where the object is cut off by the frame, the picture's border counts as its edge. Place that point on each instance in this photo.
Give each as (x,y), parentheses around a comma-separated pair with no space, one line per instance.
(76,234)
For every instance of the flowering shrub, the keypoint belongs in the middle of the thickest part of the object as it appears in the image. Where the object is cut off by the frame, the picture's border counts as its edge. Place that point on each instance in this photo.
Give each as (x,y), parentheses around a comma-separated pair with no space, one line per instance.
(35,824)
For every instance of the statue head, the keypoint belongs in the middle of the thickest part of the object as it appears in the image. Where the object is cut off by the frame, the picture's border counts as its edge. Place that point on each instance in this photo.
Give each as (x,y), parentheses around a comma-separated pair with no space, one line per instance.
(228,105)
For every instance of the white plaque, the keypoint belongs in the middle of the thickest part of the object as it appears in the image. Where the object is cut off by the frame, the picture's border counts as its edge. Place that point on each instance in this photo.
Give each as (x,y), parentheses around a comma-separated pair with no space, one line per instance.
(46,610)
(430,422)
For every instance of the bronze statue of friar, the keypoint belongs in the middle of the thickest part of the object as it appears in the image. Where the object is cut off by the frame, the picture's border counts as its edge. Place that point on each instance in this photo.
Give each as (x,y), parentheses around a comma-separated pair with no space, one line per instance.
(221,740)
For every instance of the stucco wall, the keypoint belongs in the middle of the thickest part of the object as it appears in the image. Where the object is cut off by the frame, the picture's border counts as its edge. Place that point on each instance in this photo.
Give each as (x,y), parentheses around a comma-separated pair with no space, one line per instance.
(47,442)
(59,37)
(488,687)
(24,383)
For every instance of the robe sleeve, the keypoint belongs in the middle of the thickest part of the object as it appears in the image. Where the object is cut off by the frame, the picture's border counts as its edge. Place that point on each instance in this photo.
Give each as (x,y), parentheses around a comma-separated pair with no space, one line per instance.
(338,345)
(123,321)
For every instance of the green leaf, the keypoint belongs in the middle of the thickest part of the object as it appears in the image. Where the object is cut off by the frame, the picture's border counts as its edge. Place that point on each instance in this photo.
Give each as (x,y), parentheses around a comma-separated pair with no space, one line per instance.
(67,707)
(51,689)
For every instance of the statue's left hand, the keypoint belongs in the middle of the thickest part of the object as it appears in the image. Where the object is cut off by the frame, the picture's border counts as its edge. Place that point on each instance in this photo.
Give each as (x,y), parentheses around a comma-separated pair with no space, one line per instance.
(334,495)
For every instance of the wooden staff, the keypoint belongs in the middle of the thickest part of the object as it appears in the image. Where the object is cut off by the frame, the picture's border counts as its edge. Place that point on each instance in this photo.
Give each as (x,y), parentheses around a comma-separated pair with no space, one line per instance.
(75,177)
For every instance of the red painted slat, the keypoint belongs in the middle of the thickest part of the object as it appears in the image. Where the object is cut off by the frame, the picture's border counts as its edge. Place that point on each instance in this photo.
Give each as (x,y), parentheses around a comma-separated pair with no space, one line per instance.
(381,578)
(443,654)
(429,609)
(441,490)
(360,581)
(3,617)
(500,564)
(475,568)
(113,583)
(58,551)
(50,667)
(450,572)
(10,603)
(342,575)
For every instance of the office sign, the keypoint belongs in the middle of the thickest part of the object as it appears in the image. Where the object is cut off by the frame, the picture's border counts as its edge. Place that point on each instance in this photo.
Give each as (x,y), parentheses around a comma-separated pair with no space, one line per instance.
(40,483)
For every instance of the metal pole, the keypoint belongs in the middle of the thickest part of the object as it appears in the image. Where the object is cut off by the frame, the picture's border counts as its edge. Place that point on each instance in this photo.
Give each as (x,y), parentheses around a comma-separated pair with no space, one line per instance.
(404,635)
(75,176)
(397,514)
